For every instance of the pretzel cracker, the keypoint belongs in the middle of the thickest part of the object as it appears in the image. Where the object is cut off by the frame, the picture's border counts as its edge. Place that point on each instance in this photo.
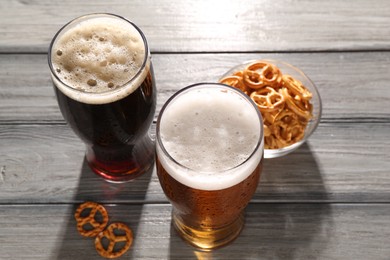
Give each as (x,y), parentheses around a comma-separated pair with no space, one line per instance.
(112,238)
(90,219)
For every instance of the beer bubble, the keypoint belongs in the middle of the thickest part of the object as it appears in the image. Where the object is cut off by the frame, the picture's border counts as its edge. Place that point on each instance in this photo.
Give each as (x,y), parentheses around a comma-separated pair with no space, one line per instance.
(110,85)
(59,52)
(58,70)
(92,82)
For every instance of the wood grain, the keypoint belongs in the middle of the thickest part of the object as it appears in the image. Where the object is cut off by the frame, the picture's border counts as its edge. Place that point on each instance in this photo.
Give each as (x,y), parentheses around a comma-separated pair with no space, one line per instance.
(274,231)
(330,199)
(353,86)
(341,162)
(181,26)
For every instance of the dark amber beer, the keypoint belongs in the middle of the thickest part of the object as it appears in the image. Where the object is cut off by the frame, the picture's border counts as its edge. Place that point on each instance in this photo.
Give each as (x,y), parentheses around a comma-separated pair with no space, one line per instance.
(104,83)
(209,160)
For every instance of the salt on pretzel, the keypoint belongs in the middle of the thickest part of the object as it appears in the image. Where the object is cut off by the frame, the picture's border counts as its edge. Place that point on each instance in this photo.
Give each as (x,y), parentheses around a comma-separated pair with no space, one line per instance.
(260,74)
(90,220)
(267,99)
(112,238)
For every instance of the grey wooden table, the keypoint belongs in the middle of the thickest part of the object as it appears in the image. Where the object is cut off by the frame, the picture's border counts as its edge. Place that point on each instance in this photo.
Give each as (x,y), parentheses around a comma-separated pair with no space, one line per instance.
(330,199)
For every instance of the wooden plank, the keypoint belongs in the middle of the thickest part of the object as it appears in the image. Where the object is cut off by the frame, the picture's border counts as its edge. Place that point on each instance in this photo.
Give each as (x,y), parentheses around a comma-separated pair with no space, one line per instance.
(272,231)
(28,26)
(341,162)
(352,85)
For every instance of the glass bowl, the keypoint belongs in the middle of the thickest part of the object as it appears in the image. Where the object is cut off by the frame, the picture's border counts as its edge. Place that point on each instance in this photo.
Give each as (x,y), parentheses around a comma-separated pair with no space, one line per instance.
(297,74)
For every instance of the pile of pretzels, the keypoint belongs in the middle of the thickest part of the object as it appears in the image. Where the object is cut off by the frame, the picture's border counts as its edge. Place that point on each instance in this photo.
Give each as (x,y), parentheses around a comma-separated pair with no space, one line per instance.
(284,102)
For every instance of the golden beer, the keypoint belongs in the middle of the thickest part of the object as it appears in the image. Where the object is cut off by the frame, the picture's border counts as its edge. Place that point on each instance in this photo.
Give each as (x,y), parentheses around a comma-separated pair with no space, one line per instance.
(209,160)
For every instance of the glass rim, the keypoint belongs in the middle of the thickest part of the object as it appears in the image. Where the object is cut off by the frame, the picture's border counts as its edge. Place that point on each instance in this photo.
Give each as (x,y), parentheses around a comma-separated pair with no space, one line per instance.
(90,16)
(159,142)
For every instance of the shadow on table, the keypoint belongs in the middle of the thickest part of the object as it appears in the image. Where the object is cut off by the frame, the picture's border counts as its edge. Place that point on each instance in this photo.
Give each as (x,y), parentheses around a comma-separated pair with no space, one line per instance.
(288,218)
(93,188)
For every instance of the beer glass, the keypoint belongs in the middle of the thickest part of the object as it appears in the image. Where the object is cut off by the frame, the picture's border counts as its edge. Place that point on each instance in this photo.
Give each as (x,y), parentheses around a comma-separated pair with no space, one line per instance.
(104,83)
(209,147)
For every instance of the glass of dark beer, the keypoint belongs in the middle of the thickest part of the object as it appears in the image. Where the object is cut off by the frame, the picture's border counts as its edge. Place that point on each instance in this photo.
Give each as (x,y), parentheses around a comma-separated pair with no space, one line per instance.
(209,144)
(104,82)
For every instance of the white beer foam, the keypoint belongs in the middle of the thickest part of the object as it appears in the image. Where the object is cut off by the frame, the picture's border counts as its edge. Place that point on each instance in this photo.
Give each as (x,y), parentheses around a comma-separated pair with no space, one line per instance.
(99,55)
(210,131)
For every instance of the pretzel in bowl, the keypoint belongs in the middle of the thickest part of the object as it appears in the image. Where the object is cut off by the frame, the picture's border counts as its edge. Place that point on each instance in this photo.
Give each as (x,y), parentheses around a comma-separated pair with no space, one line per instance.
(287,128)
(89,226)
(109,234)
(284,102)
(300,107)
(260,74)
(296,87)
(267,99)
(237,82)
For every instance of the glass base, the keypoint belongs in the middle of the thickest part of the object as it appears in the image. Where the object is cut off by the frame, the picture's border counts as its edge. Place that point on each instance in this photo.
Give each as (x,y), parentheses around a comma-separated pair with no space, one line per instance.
(120,171)
(207,239)
(122,164)
(122,176)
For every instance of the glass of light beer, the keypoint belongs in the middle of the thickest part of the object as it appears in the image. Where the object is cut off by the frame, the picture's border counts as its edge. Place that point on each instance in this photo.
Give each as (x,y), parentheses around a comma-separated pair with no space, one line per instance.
(103,79)
(209,145)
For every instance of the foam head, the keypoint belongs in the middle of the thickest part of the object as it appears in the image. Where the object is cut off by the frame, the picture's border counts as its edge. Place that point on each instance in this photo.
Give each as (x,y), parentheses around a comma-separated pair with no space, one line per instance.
(99,54)
(209,137)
